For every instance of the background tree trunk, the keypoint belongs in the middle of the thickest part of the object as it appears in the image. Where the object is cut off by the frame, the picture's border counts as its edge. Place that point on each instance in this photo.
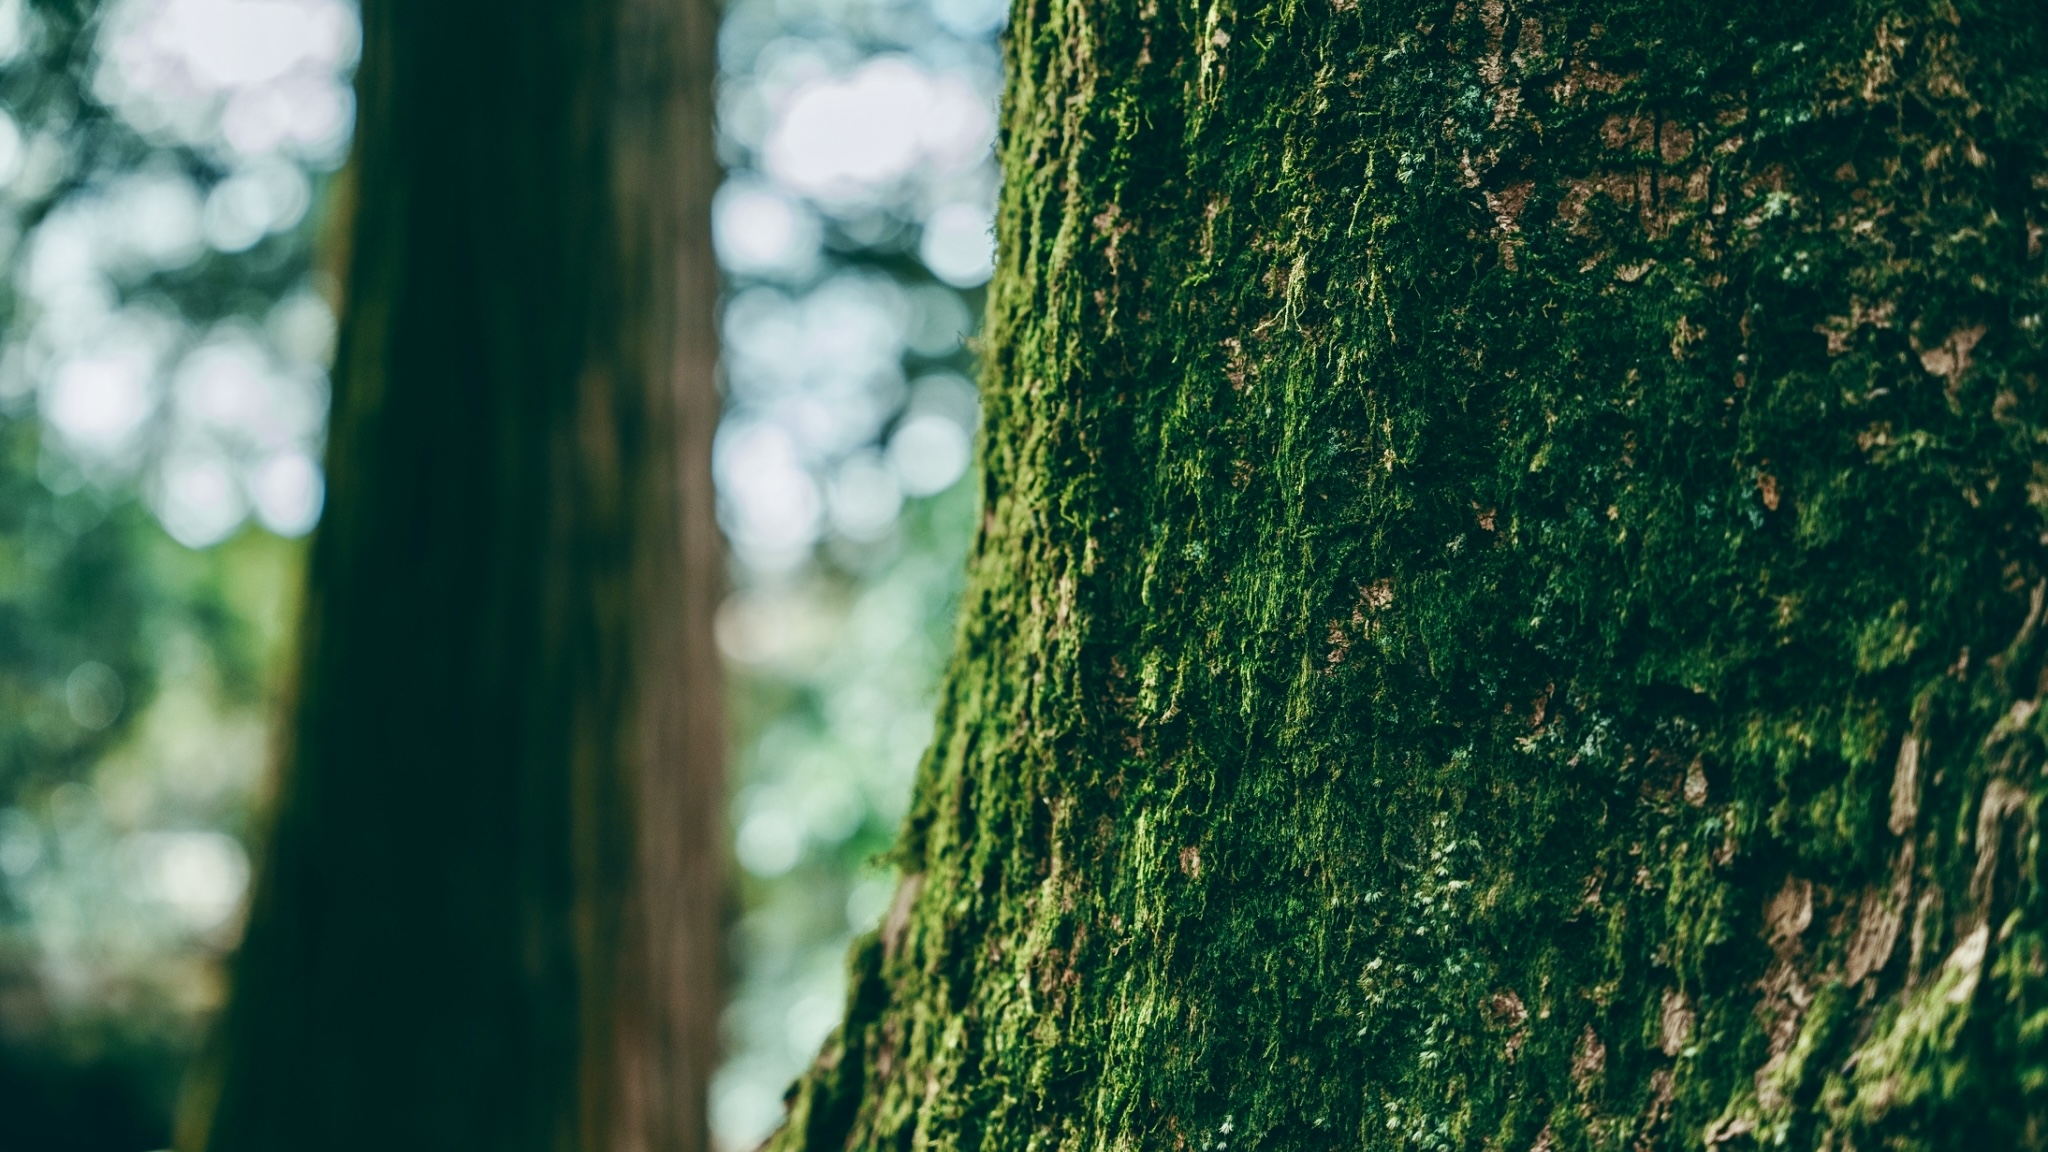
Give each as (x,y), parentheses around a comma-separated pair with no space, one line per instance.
(489,912)
(1509,607)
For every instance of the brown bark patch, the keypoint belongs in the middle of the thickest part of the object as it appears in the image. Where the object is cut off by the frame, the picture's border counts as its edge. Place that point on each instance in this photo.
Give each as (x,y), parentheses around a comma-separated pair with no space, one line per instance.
(2001,800)
(1696,783)
(1906,786)
(1950,359)
(1790,912)
(1675,142)
(1880,916)
(1676,1023)
(897,922)
(1589,1061)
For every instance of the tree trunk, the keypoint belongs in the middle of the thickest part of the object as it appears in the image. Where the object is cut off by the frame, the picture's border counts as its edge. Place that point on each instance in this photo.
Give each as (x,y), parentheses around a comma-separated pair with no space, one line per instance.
(488,913)
(1509,607)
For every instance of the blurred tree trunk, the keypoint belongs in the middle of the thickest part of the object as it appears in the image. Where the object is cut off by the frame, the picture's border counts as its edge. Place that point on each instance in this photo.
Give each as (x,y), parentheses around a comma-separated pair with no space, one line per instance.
(1509,608)
(488,912)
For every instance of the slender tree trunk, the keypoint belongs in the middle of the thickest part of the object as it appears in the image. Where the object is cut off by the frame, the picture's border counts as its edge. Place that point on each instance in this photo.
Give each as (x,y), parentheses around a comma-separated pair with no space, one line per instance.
(1509,608)
(487,916)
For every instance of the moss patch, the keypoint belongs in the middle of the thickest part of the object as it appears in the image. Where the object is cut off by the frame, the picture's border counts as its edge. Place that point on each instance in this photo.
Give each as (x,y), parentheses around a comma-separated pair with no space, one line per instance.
(1508,608)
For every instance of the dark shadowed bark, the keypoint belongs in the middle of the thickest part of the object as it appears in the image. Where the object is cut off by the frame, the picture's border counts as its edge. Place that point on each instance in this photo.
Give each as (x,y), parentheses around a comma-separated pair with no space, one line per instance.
(1509,612)
(487,913)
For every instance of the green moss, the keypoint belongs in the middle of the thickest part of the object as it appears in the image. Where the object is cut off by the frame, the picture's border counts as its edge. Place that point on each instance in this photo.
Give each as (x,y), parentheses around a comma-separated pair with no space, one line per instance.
(1506,574)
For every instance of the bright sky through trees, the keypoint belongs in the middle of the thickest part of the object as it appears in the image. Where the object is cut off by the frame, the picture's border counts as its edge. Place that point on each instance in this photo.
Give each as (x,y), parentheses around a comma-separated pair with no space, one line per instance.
(855,231)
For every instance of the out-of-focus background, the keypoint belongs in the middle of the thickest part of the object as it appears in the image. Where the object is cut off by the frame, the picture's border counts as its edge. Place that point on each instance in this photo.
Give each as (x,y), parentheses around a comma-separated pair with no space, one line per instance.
(165,330)
(854,226)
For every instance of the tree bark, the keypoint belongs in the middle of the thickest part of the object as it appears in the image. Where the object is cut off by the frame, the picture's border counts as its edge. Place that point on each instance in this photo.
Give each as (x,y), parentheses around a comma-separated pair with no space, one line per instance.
(488,913)
(1509,606)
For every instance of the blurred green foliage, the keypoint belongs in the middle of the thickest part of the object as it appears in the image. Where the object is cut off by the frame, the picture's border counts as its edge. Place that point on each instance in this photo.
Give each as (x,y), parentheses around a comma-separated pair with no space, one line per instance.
(855,135)
(134,679)
(137,675)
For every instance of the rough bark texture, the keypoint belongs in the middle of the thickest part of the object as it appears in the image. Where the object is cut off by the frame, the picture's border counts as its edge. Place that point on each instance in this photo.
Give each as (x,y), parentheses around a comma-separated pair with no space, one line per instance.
(1509,608)
(488,916)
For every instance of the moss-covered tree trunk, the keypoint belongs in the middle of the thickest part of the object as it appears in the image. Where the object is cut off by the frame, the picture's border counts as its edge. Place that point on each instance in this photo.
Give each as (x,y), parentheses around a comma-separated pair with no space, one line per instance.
(1509,607)
(487,917)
